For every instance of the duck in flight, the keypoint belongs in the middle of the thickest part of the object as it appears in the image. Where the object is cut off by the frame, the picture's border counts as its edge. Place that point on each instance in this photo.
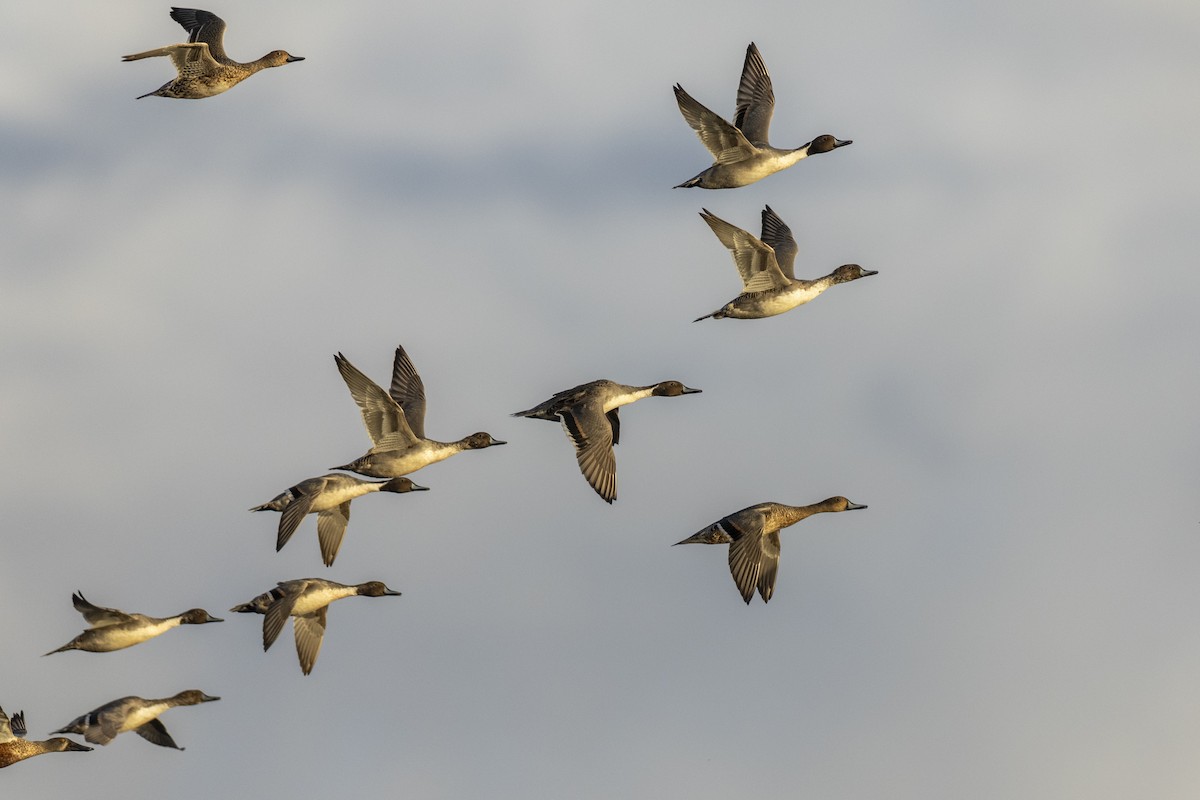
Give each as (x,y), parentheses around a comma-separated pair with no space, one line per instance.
(137,714)
(306,601)
(740,151)
(15,747)
(115,630)
(204,69)
(588,414)
(766,266)
(395,421)
(329,498)
(753,538)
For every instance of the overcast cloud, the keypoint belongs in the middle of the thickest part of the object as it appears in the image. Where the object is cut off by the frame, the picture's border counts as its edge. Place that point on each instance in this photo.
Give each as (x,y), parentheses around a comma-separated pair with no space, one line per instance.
(1013,396)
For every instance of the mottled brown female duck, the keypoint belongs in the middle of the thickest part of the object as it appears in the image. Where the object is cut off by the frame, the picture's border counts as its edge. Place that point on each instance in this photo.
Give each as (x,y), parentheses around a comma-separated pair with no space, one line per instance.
(14,747)
(753,538)
(204,69)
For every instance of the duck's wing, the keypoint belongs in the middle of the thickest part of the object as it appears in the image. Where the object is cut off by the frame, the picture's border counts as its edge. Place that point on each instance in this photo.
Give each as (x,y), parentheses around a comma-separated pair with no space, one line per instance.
(770,564)
(727,144)
(382,416)
(13,728)
(755,98)
(778,237)
(408,391)
(310,632)
(203,26)
(278,612)
(105,722)
(293,514)
(156,733)
(592,434)
(747,550)
(190,60)
(331,527)
(98,616)
(754,259)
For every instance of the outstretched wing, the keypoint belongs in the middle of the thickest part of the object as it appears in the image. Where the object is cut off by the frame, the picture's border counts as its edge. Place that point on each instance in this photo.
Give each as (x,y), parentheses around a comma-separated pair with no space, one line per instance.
(331,527)
(748,553)
(779,237)
(726,143)
(755,98)
(156,733)
(98,616)
(408,391)
(382,416)
(203,26)
(592,434)
(310,632)
(754,259)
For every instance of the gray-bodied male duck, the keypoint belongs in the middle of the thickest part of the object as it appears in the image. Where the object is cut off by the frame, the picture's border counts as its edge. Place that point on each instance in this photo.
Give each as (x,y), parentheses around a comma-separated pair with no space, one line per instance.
(115,630)
(136,714)
(588,414)
(741,154)
(329,498)
(753,538)
(395,421)
(769,283)
(306,601)
(204,69)
(15,747)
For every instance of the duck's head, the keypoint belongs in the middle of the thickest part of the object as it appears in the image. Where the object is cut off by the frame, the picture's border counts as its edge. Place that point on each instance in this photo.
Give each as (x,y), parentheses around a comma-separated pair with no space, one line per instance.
(851,272)
(197,616)
(193,697)
(376,589)
(478,441)
(61,744)
(402,485)
(841,504)
(277,58)
(824,143)
(673,389)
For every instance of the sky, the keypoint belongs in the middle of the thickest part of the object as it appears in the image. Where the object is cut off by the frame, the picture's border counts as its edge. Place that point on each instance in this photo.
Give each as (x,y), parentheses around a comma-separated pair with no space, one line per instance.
(1013,396)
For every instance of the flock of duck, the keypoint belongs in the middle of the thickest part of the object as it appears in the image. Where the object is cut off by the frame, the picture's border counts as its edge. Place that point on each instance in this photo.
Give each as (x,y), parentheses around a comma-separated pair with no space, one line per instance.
(395,418)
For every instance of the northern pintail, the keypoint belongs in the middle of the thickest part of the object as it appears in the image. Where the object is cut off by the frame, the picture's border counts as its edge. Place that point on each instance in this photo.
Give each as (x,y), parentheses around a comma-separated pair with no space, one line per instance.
(753,538)
(306,601)
(588,414)
(135,714)
(395,422)
(329,498)
(766,265)
(204,69)
(741,154)
(114,630)
(14,747)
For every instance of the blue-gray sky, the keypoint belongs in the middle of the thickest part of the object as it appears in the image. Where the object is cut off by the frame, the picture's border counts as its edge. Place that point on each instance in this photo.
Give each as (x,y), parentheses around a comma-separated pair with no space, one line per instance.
(1013,396)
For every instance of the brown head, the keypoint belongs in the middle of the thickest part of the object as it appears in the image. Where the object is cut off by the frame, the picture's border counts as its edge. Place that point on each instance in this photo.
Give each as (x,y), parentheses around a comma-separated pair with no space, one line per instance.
(673,389)
(840,504)
(825,142)
(277,58)
(197,616)
(193,697)
(851,272)
(402,485)
(478,441)
(375,589)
